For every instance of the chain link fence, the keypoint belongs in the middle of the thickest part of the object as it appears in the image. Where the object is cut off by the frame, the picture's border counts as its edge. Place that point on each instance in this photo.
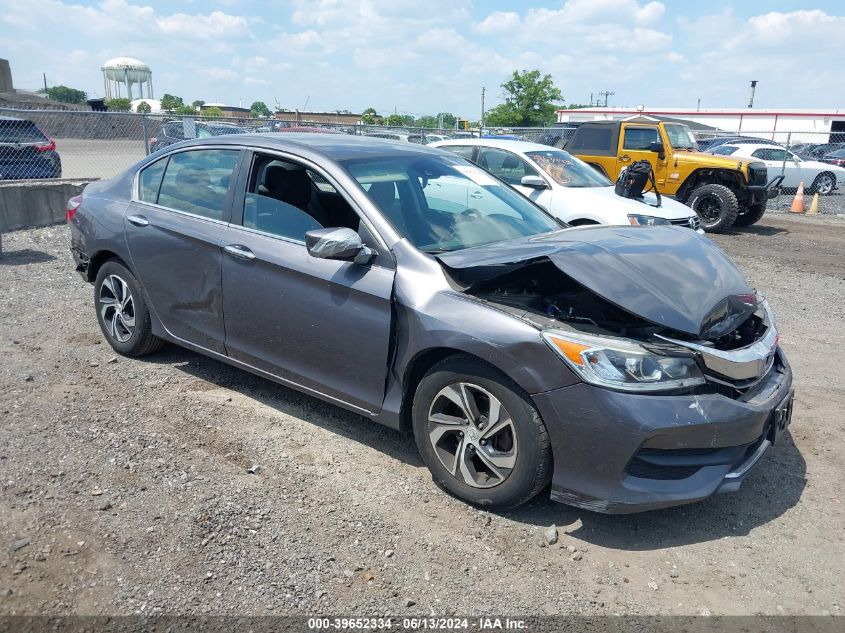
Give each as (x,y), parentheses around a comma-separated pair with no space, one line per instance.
(89,145)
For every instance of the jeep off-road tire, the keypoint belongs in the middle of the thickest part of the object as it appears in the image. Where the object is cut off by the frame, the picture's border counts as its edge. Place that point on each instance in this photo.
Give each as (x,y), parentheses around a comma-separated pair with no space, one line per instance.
(716,207)
(480,435)
(750,215)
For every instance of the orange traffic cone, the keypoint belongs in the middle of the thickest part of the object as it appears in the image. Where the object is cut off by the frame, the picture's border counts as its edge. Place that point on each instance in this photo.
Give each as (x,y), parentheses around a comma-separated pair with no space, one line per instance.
(798,200)
(814,205)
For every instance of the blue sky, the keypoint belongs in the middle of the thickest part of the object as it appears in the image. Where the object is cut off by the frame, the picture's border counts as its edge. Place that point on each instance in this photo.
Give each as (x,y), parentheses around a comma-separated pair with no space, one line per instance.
(427,56)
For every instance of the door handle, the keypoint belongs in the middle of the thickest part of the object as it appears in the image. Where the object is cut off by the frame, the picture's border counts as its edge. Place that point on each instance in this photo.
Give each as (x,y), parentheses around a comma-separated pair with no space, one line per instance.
(477,195)
(138,220)
(239,251)
(625,158)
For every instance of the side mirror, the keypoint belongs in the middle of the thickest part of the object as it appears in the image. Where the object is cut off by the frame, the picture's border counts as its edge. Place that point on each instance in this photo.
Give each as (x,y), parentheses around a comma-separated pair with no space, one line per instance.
(658,147)
(338,243)
(535,182)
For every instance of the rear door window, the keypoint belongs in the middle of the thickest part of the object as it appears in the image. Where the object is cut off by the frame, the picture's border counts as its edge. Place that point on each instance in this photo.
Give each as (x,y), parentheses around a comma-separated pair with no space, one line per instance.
(149,181)
(198,182)
(464,151)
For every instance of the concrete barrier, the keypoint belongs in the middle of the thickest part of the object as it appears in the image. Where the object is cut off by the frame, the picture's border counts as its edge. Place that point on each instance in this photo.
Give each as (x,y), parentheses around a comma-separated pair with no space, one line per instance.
(30,203)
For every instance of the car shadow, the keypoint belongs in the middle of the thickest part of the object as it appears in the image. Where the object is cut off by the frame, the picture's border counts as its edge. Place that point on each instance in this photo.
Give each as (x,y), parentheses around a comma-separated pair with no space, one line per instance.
(24,256)
(333,418)
(770,490)
(755,229)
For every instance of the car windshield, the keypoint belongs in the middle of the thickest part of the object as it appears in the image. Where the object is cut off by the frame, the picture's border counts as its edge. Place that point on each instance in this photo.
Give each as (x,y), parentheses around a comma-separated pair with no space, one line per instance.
(567,170)
(444,204)
(680,136)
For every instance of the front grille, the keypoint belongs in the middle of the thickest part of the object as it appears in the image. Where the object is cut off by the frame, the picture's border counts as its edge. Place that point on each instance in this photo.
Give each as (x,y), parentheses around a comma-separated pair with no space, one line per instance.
(692,222)
(757,174)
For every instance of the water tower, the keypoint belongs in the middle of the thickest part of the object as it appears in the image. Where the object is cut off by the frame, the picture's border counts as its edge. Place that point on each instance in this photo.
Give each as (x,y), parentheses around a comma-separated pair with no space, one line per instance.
(126,71)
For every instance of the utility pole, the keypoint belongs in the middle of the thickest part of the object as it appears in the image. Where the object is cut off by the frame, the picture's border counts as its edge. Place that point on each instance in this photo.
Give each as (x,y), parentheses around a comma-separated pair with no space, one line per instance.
(606,94)
(481,120)
(753,90)
(698,105)
(45,82)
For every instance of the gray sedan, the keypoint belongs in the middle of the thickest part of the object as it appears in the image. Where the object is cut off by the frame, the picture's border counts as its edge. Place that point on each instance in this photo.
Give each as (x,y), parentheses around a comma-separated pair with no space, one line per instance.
(630,367)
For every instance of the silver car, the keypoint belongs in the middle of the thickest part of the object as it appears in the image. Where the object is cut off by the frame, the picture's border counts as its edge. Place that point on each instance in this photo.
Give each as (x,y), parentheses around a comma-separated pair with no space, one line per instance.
(630,367)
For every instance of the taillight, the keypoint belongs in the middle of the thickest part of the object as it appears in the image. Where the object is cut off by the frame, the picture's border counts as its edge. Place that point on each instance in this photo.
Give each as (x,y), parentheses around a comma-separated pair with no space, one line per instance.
(72,206)
(46,147)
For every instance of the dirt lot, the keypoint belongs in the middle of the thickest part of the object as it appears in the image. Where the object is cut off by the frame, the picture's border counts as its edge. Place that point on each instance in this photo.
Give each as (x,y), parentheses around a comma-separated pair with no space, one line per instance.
(124,485)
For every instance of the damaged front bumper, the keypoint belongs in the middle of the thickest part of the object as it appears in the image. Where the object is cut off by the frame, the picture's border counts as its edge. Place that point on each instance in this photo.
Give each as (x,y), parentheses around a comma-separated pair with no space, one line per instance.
(618,452)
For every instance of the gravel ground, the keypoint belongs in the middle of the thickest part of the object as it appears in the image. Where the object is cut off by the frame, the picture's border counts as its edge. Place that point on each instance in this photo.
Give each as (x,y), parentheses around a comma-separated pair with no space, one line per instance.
(177,484)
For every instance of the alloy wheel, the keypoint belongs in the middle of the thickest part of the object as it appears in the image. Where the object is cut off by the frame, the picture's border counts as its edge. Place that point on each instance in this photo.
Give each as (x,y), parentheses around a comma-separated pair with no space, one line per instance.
(824,184)
(709,208)
(472,434)
(117,308)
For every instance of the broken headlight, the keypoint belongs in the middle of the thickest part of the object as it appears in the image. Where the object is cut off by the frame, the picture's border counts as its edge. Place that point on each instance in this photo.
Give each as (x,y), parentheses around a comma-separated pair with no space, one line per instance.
(621,363)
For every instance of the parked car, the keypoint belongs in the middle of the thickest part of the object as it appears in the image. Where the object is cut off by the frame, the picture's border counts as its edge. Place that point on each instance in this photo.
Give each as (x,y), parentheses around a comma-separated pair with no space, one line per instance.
(630,367)
(174,131)
(819,177)
(567,187)
(814,151)
(836,157)
(722,191)
(708,145)
(397,136)
(26,152)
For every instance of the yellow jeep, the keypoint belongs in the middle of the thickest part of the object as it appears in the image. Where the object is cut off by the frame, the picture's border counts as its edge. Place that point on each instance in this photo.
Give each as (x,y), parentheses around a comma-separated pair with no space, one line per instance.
(722,191)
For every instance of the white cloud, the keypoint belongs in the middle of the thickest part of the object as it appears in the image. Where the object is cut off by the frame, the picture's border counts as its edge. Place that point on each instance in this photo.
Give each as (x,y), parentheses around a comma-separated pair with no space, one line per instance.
(498,22)
(204,27)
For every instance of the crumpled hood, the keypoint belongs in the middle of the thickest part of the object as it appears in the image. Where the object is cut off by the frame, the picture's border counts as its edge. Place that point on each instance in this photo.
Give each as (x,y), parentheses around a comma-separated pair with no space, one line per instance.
(667,275)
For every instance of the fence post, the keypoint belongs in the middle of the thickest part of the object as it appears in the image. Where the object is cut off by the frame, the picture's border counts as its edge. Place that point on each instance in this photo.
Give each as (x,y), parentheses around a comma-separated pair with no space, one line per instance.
(783,166)
(146,133)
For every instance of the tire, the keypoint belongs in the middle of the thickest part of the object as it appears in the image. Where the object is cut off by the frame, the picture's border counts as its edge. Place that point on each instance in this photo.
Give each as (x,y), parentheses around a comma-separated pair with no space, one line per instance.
(716,207)
(824,184)
(499,471)
(122,311)
(750,215)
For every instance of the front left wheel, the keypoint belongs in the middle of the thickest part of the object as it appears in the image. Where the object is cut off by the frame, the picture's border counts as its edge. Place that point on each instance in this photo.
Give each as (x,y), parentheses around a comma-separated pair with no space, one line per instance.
(480,435)
(122,311)
(824,184)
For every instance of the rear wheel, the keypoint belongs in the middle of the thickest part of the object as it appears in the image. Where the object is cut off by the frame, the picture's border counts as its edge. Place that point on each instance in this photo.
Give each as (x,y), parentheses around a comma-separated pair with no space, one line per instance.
(122,311)
(716,206)
(479,434)
(824,184)
(750,215)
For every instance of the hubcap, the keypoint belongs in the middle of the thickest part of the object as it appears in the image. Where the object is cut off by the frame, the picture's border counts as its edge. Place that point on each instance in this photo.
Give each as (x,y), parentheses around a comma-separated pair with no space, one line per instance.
(825,185)
(472,434)
(117,308)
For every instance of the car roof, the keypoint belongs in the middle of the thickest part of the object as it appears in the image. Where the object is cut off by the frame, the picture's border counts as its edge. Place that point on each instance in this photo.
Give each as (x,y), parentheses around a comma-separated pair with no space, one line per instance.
(500,143)
(755,146)
(334,147)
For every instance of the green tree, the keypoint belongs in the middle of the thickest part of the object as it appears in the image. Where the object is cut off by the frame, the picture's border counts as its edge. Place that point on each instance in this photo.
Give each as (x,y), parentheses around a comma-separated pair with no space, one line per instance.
(395,120)
(259,108)
(212,113)
(169,102)
(426,121)
(197,103)
(187,109)
(66,95)
(448,119)
(529,100)
(119,104)
(144,108)
(370,117)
